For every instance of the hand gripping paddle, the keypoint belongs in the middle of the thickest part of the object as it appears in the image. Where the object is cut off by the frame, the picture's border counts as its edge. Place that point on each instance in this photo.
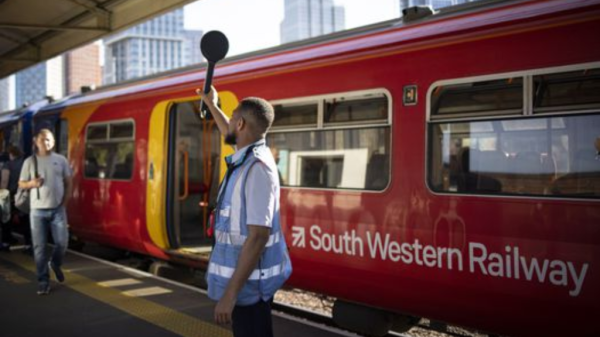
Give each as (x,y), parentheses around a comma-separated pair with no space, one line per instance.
(214,46)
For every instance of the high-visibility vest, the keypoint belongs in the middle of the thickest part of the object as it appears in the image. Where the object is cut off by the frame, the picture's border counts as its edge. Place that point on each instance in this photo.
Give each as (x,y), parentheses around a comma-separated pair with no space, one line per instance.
(274,266)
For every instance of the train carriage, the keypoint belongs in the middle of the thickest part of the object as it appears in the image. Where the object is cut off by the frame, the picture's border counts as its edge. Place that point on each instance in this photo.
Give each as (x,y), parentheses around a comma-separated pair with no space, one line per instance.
(446,168)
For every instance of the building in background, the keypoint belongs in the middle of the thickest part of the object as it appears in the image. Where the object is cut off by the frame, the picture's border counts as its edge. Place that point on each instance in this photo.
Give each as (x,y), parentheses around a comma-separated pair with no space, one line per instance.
(191,46)
(39,81)
(436,4)
(82,68)
(157,45)
(5,94)
(304,19)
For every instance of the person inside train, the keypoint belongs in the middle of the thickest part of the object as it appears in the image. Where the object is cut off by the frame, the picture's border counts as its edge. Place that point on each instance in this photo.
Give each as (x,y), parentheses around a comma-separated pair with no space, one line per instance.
(123,170)
(249,261)
(50,185)
(10,181)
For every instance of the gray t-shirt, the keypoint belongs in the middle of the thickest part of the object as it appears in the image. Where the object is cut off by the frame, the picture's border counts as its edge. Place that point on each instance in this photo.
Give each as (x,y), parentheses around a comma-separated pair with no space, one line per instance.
(54,168)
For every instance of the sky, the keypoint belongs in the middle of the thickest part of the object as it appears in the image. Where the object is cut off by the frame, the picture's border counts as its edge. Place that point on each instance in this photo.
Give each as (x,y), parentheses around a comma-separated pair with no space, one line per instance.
(254,24)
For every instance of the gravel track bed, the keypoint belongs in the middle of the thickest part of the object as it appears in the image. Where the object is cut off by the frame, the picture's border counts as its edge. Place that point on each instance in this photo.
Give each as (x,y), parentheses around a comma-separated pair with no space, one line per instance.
(323,304)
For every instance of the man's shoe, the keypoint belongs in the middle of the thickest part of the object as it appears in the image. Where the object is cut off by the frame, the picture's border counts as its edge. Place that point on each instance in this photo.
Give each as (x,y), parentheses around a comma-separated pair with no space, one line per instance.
(43,289)
(60,277)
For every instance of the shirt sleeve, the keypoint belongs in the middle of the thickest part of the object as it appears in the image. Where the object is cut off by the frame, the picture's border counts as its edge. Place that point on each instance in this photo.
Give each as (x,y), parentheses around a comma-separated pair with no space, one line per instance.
(26,171)
(261,192)
(67,168)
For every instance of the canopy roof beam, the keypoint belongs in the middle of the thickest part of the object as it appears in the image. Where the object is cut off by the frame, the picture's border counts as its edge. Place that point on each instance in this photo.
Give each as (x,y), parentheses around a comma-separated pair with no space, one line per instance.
(41,29)
(50,27)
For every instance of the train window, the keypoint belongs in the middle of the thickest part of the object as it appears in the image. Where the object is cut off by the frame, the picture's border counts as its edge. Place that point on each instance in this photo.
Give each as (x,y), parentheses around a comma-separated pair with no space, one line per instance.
(559,159)
(295,115)
(556,154)
(503,96)
(351,156)
(110,157)
(357,110)
(121,130)
(345,159)
(97,132)
(567,91)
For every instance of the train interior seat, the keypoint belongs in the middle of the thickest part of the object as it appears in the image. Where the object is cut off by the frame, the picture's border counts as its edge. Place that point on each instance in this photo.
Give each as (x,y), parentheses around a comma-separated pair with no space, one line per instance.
(123,170)
(91,167)
(378,170)
(466,179)
(471,177)
(492,167)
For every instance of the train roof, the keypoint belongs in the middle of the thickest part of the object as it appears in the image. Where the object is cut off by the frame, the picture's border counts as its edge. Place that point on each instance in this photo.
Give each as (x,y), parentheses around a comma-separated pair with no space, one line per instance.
(11,116)
(445,23)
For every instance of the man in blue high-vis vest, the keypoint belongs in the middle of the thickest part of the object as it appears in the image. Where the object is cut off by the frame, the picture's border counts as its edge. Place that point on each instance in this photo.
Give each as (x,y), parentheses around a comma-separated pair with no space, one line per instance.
(250,260)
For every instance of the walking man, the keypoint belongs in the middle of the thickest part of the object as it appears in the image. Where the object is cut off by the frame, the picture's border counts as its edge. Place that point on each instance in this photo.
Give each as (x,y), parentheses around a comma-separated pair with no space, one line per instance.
(249,261)
(49,181)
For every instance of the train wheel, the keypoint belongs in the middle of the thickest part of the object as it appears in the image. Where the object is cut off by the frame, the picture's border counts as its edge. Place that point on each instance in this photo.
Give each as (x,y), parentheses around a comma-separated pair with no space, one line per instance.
(75,244)
(103,252)
(369,321)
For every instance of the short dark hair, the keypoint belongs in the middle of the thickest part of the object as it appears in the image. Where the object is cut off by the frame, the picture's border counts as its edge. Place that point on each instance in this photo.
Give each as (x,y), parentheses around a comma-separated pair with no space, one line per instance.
(260,110)
(15,151)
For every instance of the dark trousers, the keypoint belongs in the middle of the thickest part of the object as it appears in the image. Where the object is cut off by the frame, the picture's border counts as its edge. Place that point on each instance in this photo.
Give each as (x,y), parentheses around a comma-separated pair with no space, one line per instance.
(6,233)
(253,320)
(19,222)
(24,227)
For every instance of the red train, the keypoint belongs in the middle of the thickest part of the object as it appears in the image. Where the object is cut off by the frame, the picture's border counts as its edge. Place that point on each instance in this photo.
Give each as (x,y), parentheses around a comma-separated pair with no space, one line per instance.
(446,168)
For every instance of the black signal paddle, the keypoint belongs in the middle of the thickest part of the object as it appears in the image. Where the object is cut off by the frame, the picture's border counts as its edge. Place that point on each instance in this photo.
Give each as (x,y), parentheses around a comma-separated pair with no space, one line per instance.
(214,46)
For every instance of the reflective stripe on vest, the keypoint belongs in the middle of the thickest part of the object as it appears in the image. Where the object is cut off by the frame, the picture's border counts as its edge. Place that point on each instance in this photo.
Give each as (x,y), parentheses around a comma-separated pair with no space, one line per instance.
(257,274)
(238,239)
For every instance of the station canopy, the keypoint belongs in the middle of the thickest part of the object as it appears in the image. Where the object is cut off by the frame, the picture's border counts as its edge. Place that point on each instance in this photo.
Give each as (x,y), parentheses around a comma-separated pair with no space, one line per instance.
(32,31)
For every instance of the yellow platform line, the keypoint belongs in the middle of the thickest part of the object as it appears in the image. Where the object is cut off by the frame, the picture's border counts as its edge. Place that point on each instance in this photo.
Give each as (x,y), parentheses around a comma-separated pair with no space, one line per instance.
(151,312)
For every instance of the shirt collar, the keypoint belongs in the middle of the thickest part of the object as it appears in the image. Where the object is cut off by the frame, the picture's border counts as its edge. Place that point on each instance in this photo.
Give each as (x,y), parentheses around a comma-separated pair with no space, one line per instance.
(240,153)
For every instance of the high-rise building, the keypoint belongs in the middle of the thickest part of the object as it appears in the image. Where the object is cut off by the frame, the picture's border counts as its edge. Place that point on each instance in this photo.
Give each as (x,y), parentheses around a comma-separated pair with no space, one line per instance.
(151,47)
(4,94)
(82,68)
(309,18)
(192,52)
(36,82)
(436,4)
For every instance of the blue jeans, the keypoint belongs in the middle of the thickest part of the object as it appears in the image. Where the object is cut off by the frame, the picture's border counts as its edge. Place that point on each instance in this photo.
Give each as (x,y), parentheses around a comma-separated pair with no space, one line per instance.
(42,220)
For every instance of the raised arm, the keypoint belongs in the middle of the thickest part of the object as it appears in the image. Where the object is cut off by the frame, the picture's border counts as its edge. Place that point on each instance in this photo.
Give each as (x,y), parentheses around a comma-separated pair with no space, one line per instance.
(210,100)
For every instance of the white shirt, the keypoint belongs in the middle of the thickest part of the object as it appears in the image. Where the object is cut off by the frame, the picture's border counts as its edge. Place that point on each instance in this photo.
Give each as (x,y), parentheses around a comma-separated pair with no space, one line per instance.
(262,190)
(54,168)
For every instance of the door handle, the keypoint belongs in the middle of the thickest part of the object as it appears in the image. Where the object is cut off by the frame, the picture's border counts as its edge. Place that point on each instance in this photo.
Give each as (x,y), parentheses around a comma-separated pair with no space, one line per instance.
(186,184)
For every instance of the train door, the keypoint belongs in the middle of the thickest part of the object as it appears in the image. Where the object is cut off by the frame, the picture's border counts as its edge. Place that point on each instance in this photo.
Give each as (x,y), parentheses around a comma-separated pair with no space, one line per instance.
(193,175)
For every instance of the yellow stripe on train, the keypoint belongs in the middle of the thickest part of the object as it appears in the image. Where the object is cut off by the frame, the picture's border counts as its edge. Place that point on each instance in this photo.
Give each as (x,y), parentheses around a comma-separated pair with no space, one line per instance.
(158,141)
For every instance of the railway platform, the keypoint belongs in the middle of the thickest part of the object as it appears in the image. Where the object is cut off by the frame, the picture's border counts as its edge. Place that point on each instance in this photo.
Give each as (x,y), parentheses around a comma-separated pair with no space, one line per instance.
(103,299)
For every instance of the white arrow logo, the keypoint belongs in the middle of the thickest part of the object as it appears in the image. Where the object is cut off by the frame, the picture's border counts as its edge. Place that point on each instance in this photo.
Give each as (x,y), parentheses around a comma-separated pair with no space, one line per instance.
(298,235)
